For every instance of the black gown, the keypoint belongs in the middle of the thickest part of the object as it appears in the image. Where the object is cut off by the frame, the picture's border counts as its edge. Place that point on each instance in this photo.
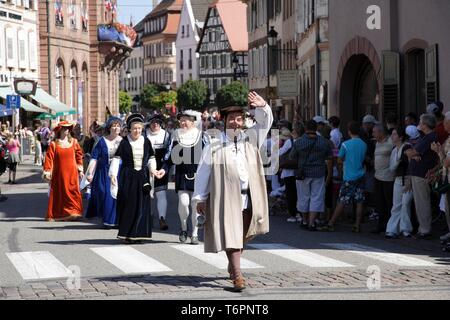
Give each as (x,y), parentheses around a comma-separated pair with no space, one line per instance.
(133,201)
(160,152)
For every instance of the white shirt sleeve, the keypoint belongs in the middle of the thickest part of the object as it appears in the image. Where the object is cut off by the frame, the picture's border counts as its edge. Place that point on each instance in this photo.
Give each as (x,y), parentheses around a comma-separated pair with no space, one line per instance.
(114,167)
(394,160)
(264,120)
(201,185)
(286,147)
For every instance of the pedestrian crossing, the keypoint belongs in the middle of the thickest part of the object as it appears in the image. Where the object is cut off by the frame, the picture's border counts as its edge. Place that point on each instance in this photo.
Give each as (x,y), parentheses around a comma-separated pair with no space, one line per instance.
(132,260)
(304,257)
(38,265)
(377,254)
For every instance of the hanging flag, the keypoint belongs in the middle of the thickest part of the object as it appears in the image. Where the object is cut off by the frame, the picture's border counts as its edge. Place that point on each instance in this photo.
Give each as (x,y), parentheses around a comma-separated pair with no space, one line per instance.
(108,5)
(114,9)
(58,11)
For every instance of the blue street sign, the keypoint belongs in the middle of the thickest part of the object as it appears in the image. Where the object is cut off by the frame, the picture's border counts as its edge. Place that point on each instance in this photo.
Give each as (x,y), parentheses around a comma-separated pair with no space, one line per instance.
(12,101)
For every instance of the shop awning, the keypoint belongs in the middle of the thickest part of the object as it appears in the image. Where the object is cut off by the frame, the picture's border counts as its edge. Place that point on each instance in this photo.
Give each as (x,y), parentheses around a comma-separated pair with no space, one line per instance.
(50,102)
(25,104)
(65,113)
(44,116)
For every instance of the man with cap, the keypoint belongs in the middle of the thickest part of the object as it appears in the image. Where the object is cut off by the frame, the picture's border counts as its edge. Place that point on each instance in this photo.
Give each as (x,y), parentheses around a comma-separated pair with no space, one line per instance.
(184,153)
(160,140)
(436,109)
(136,158)
(101,203)
(366,135)
(322,126)
(230,188)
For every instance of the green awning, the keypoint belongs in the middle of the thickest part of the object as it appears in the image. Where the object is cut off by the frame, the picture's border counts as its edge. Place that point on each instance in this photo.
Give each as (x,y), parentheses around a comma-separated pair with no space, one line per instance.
(45,115)
(25,104)
(50,102)
(65,113)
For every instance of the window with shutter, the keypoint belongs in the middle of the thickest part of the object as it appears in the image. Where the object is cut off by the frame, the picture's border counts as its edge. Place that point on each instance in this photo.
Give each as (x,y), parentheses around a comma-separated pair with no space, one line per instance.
(390,65)
(431,74)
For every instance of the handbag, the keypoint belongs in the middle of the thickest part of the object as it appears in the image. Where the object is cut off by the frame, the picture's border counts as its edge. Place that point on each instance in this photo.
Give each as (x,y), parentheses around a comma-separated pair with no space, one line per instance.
(300,174)
(442,186)
(286,162)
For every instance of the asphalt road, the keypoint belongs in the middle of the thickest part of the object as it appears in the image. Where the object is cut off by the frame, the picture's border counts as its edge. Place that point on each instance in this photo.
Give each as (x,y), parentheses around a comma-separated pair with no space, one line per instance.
(287,249)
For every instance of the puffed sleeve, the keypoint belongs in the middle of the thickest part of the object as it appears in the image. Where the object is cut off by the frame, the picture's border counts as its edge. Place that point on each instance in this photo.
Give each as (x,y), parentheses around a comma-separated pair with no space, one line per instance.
(115,162)
(78,156)
(49,157)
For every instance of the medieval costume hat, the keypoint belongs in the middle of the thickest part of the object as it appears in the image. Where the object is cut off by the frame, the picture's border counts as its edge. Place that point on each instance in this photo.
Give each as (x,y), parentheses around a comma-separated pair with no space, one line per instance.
(111,120)
(227,110)
(63,124)
(194,115)
(157,117)
(135,117)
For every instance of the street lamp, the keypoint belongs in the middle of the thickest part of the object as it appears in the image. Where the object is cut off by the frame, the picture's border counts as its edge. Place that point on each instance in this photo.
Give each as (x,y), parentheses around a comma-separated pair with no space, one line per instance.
(128,73)
(272,37)
(271,43)
(167,86)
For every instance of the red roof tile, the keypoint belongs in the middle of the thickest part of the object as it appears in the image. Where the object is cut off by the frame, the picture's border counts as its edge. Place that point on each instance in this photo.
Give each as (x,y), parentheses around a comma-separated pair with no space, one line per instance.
(233,14)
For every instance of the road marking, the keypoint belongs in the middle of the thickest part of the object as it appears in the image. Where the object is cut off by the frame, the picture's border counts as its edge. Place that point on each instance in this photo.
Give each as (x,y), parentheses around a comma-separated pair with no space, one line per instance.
(130,260)
(305,257)
(218,260)
(389,257)
(38,265)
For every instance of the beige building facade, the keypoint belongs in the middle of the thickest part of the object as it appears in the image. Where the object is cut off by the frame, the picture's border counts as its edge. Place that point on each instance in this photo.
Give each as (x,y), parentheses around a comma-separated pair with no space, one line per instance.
(160,32)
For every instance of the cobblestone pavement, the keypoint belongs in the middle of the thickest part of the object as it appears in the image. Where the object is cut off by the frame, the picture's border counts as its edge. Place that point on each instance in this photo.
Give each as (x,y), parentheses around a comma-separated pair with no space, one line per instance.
(147,285)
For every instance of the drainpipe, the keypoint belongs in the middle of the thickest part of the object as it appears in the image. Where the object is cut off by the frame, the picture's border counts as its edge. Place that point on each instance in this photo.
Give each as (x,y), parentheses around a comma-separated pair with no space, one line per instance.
(317,72)
(48,48)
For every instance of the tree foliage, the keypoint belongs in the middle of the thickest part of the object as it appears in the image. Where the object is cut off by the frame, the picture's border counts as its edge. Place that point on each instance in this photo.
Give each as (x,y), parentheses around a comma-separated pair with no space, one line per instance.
(192,95)
(147,95)
(125,102)
(160,101)
(233,94)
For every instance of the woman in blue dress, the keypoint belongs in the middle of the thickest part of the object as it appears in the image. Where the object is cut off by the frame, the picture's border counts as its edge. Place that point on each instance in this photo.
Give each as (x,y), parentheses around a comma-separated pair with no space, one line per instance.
(101,203)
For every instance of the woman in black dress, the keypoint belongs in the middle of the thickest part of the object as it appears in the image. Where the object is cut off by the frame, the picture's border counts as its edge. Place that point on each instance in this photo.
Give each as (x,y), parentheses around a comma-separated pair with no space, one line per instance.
(133,192)
(160,140)
(184,152)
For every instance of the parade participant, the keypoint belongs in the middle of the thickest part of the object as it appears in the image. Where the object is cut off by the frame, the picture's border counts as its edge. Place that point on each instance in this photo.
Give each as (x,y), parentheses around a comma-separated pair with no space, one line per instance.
(101,203)
(230,189)
(133,184)
(185,152)
(62,168)
(160,140)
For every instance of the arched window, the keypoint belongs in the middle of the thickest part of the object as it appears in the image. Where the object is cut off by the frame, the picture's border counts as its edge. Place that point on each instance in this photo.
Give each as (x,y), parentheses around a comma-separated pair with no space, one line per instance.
(59,80)
(73,76)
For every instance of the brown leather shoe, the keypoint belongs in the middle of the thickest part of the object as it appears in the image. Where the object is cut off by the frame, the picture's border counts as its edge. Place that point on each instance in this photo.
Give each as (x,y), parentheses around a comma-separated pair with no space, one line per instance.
(239,284)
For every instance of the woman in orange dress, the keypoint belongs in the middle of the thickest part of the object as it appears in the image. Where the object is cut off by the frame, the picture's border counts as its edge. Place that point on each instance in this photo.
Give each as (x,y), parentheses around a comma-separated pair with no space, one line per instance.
(63,167)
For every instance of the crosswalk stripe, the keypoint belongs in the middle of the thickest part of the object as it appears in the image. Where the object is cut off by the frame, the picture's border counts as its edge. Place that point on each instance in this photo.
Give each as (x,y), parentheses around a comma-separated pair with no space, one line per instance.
(218,260)
(38,265)
(130,260)
(305,257)
(374,253)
